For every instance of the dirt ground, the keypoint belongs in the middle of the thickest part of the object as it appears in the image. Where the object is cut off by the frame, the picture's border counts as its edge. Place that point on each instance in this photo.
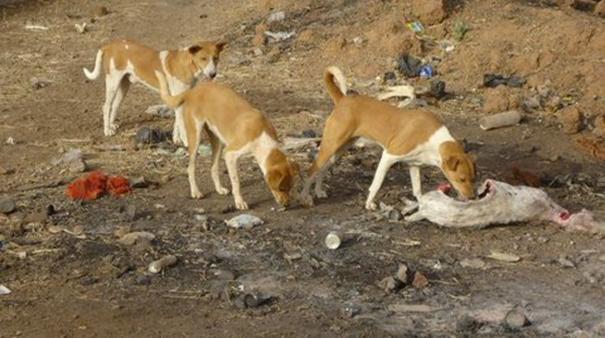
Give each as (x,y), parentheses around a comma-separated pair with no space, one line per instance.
(69,276)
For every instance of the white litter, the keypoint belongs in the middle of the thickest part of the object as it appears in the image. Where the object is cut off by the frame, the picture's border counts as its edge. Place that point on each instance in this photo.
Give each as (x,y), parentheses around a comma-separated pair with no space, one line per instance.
(4,290)
(280,36)
(406,91)
(244,221)
(276,16)
(501,203)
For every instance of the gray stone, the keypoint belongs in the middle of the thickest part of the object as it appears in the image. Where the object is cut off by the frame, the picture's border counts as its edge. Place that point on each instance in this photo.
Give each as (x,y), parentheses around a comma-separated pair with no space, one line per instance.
(7,205)
(515,320)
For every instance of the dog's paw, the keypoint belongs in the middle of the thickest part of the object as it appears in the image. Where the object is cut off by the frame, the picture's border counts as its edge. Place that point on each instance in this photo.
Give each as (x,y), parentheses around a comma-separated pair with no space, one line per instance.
(222,191)
(196,194)
(321,193)
(371,206)
(110,131)
(241,204)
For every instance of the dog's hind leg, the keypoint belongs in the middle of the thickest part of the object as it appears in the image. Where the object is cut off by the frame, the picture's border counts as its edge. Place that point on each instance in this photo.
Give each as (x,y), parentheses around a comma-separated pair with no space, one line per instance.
(217,149)
(121,91)
(194,134)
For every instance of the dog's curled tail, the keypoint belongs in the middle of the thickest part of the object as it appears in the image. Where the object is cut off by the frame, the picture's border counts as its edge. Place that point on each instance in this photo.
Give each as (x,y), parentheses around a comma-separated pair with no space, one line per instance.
(97,71)
(171,101)
(335,83)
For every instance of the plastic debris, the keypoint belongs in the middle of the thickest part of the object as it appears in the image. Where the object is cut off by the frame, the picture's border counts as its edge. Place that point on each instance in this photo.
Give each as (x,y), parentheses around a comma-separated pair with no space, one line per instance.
(505,119)
(280,36)
(492,80)
(415,26)
(4,290)
(426,71)
(164,262)
(276,16)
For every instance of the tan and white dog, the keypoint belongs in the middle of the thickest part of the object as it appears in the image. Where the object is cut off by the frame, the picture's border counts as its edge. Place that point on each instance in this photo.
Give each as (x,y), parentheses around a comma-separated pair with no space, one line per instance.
(124,62)
(414,136)
(233,124)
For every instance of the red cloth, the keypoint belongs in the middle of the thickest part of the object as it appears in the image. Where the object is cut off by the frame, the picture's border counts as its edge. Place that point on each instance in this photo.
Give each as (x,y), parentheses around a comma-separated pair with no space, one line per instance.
(95,184)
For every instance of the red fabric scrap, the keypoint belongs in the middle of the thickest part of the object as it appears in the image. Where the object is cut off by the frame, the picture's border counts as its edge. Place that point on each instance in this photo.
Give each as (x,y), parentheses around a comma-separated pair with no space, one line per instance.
(95,184)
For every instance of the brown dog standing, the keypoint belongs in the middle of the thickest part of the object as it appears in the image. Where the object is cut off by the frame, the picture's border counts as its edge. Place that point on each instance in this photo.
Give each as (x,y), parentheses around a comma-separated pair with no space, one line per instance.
(414,136)
(231,123)
(124,62)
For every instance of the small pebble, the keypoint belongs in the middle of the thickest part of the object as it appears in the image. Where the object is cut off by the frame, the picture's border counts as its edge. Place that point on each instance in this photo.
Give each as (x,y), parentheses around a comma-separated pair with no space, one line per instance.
(515,320)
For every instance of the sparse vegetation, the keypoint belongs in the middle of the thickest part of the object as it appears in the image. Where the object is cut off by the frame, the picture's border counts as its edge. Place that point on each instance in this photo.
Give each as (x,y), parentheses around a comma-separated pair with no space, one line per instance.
(459,30)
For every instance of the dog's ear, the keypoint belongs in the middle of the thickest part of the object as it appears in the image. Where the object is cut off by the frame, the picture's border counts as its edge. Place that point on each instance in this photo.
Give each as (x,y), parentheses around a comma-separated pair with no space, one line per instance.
(194,49)
(274,178)
(220,45)
(452,163)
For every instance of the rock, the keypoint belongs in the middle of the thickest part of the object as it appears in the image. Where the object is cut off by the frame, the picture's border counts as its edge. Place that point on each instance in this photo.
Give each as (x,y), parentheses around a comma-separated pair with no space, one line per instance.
(468,324)
(420,281)
(390,284)
(389,76)
(259,38)
(6,171)
(599,9)
(88,280)
(566,262)
(131,212)
(571,120)
(137,236)
(222,274)
(77,166)
(599,123)
(142,280)
(245,221)
(38,216)
(430,12)
(70,156)
(7,205)
(515,320)
(402,273)
(100,11)
(474,263)
(499,99)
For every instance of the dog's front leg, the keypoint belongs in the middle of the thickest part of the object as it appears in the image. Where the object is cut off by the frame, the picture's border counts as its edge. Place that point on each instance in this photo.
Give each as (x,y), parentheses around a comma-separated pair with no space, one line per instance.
(178,130)
(415,178)
(231,162)
(386,161)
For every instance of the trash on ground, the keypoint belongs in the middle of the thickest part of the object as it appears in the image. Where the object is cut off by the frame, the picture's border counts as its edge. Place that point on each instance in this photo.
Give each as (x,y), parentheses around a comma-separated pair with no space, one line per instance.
(415,26)
(406,91)
(333,240)
(437,89)
(136,237)
(4,290)
(95,184)
(252,300)
(36,27)
(473,263)
(280,36)
(409,65)
(501,203)
(10,141)
(492,80)
(164,262)
(80,28)
(160,110)
(426,71)
(503,257)
(146,135)
(245,221)
(505,119)
(402,273)
(276,16)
